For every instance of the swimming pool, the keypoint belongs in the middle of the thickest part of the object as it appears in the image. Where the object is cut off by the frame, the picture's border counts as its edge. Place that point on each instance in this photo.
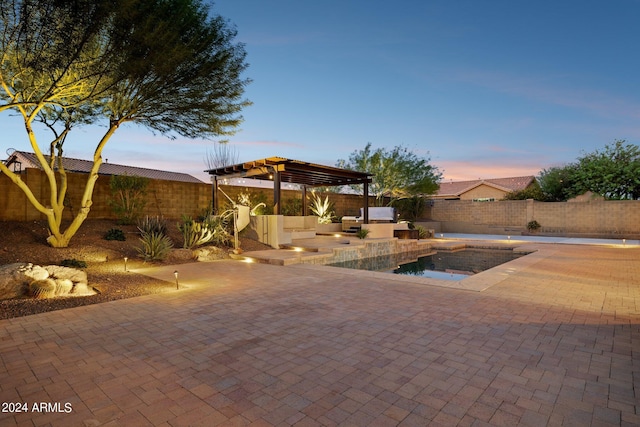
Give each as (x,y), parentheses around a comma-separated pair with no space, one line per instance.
(449,265)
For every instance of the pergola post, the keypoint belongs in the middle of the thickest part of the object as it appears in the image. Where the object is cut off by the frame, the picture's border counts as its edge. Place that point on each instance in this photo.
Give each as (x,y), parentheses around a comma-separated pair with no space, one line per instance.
(276,192)
(366,202)
(304,200)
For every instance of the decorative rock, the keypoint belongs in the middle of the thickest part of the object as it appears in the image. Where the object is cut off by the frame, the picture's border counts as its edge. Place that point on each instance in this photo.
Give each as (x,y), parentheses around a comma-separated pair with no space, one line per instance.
(42,282)
(60,272)
(180,255)
(209,253)
(81,289)
(10,285)
(63,286)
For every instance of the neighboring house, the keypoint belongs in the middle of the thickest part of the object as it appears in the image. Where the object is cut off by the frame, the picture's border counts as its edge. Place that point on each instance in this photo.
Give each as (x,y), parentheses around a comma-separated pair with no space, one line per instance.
(21,160)
(483,190)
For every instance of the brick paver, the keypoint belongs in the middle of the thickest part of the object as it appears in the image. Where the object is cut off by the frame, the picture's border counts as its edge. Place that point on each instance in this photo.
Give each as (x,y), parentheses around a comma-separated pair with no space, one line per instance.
(555,342)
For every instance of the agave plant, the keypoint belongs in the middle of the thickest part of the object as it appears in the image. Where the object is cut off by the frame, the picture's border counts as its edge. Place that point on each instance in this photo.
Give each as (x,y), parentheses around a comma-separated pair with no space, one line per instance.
(323,209)
(155,246)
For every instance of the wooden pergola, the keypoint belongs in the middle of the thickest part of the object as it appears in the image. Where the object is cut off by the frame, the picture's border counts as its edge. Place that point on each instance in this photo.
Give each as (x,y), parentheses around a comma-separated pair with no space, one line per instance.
(279,170)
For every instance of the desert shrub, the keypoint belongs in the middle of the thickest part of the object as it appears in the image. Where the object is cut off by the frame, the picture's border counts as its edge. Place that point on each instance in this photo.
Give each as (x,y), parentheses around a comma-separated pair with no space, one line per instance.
(155,246)
(410,208)
(223,227)
(115,234)
(533,226)
(257,202)
(291,207)
(362,233)
(153,224)
(128,194)
(73,263)
(423,233)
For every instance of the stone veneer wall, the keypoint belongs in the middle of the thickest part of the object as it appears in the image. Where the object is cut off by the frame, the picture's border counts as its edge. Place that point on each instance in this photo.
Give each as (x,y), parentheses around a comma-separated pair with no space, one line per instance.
(370,249)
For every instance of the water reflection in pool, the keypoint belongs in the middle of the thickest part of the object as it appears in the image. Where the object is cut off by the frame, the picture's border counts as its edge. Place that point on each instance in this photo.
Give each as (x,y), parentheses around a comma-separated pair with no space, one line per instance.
(450,265)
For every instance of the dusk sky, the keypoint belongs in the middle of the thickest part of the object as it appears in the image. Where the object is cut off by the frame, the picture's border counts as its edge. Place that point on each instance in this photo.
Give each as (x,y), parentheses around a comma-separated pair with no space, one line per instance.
(486,89)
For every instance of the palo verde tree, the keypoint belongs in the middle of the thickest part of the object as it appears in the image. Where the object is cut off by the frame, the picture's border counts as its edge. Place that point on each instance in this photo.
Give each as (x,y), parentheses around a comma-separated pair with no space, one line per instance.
(168,65)
(397,173)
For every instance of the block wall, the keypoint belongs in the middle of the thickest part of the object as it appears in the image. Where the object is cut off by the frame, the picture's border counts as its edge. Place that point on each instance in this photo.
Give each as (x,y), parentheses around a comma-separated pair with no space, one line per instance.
(170,199)
(598,218)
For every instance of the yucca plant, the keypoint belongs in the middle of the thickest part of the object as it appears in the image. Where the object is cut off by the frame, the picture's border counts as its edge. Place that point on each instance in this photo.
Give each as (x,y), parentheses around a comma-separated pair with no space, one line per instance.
(323,209)
(155,246)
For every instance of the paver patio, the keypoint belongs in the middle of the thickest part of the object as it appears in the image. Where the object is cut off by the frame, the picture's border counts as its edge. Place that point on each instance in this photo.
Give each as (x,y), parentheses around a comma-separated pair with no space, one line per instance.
(553,342)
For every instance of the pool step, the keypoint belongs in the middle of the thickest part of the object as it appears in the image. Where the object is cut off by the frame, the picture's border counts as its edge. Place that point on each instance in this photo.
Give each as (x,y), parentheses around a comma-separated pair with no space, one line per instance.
(448,246)
(298,248)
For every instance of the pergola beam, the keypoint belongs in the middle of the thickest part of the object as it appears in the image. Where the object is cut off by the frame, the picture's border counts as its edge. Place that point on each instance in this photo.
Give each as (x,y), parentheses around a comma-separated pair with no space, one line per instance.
(278,170)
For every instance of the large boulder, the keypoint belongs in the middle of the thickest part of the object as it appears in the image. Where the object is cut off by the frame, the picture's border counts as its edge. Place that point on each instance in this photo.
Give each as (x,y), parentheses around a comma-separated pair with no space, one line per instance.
(209,253)
(13,281)
(42,282)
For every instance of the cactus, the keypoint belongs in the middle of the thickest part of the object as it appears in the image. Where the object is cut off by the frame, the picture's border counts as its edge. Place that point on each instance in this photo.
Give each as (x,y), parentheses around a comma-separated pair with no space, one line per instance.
(42,289)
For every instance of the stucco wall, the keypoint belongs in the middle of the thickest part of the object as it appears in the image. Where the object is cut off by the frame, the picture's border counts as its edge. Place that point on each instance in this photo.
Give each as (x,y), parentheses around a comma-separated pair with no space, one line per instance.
(483,192)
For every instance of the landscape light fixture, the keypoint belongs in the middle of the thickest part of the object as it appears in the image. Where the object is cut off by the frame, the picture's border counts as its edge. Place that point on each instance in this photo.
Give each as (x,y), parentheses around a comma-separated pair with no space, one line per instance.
(125,263)
(175,273)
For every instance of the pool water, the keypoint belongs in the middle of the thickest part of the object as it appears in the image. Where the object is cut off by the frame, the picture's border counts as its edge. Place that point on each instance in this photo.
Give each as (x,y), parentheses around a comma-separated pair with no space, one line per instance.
(449,265)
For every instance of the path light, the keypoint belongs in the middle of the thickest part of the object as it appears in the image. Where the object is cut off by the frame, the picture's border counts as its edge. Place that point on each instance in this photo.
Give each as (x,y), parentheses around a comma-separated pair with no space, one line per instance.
(441,235)
(125,263)
(175,273)
(624,242)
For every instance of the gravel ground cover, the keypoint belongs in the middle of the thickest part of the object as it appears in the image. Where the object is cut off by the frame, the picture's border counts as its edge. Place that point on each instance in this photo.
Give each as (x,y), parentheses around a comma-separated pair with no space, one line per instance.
(25,242)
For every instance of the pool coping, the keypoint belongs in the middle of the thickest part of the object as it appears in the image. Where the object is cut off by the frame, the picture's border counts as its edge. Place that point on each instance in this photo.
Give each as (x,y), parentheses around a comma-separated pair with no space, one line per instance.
(479,282)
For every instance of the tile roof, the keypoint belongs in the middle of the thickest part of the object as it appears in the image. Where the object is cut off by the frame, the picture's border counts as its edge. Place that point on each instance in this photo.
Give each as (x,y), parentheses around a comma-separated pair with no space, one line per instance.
(509,185)
(29,160)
